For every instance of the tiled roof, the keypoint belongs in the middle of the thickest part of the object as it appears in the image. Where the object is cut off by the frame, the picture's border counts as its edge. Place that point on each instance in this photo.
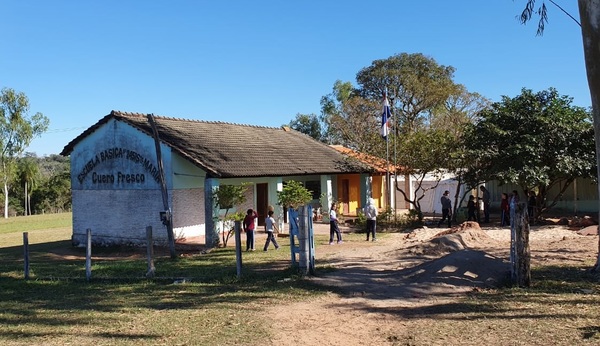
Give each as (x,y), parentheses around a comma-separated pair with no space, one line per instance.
(229,150)
(376,163)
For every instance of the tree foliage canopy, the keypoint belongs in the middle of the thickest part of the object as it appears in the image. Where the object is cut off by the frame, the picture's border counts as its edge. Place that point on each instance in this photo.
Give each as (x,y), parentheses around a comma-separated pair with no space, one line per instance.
(309,124)
(535,140)
(17,130)
(415,85)
(294,194)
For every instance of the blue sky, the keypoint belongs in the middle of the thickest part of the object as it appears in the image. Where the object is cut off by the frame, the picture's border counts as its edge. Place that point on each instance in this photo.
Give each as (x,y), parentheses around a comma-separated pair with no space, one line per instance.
(262,62)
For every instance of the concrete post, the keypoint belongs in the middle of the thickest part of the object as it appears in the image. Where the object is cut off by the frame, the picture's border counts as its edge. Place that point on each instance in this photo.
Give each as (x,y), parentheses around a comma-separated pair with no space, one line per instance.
(211,212)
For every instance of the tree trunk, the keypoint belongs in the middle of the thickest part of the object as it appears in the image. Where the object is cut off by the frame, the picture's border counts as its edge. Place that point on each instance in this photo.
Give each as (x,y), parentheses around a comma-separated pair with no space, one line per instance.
(523,254)
(5,200)
(25,203)
(589,13)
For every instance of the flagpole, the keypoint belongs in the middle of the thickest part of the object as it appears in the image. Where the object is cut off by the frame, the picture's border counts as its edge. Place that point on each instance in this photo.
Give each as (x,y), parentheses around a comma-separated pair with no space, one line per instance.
(387,173)
(385,118)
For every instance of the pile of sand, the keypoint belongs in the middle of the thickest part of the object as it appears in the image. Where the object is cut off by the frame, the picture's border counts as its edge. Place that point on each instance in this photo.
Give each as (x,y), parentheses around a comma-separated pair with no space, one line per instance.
(467,235)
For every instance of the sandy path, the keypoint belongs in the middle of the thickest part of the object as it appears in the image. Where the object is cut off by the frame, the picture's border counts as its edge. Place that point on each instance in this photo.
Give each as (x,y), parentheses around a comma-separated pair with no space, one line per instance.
(379,282)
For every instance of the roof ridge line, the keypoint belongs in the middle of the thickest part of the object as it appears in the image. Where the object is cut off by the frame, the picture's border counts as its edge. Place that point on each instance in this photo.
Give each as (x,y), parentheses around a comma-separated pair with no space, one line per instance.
(136,114)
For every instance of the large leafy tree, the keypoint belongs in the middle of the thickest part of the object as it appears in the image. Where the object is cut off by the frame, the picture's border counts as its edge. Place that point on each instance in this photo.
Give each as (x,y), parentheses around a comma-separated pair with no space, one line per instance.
(416,85)
(536,140)
(352,120)
(17,130)
(589,20)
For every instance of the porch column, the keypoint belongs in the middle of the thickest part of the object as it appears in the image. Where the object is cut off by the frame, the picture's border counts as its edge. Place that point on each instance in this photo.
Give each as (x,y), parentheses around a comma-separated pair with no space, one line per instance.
(211,212)
(327,196)
(278,208)
(275,185)
(366,189)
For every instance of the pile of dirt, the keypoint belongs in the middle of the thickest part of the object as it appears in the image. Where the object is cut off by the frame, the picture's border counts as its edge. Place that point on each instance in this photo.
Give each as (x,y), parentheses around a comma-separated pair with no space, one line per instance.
(467,235)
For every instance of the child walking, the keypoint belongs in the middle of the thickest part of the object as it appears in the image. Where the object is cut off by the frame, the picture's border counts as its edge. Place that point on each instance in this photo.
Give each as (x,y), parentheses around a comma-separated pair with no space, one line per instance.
(249,229)
(270,226)
(333,225)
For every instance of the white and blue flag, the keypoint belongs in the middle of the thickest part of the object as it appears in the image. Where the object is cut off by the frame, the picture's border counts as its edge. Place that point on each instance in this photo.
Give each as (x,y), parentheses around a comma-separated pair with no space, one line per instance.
(385,118)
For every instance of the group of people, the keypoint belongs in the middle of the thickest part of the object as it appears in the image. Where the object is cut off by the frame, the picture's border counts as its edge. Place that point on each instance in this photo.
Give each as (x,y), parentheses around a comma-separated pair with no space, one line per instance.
(249,226)
(270,226)
(507,203)
(471,207)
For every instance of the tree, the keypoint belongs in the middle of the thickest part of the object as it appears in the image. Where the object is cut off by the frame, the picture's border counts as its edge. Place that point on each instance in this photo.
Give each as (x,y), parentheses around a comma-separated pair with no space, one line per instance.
(29,175)
(337,115)
(352,120)
(309,124)
(535,140)
(17,130)
(589,16)
(460,109)
(228,196)
(415,84)
(51,190)
(428,154)
(294,194)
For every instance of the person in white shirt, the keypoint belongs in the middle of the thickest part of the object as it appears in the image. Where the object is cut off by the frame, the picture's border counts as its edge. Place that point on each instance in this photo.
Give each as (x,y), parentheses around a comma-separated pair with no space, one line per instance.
(269,227)
(371,215)
(333,225)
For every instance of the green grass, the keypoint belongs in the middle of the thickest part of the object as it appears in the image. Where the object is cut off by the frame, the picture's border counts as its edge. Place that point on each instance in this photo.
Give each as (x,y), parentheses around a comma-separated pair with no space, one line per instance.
(198,299)
(35,222)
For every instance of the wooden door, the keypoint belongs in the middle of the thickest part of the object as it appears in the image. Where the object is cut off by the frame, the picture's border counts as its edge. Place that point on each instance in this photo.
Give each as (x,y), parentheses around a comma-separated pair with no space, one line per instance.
(262,202)
(345,196)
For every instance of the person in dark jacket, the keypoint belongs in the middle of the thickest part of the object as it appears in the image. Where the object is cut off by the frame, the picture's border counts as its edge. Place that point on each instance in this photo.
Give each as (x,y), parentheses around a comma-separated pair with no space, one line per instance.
(471,209)
(446,209)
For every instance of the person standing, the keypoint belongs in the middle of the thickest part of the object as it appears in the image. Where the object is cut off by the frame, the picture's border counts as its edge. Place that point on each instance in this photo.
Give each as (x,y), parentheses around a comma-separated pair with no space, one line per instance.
(531,203)
(270,227)
(471,209)
(446,209)
(249,228)
(504,208)
(486,203)
(371,215)
(333,225)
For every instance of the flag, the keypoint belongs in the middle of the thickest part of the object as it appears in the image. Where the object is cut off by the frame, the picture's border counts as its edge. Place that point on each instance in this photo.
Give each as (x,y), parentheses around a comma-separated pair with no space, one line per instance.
(385,118)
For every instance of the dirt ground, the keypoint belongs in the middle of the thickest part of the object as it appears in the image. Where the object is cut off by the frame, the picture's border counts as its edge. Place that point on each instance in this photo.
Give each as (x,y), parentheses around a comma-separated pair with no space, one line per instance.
(402,270)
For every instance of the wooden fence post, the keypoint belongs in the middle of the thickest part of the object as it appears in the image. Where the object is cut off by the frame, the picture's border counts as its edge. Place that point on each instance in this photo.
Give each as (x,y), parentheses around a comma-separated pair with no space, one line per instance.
(88,256)
(237,226)
(26,254)
(150,252)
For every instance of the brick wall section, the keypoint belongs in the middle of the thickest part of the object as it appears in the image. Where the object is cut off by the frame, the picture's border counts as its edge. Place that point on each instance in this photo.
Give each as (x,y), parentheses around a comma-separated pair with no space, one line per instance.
(114,216)
(188,212)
